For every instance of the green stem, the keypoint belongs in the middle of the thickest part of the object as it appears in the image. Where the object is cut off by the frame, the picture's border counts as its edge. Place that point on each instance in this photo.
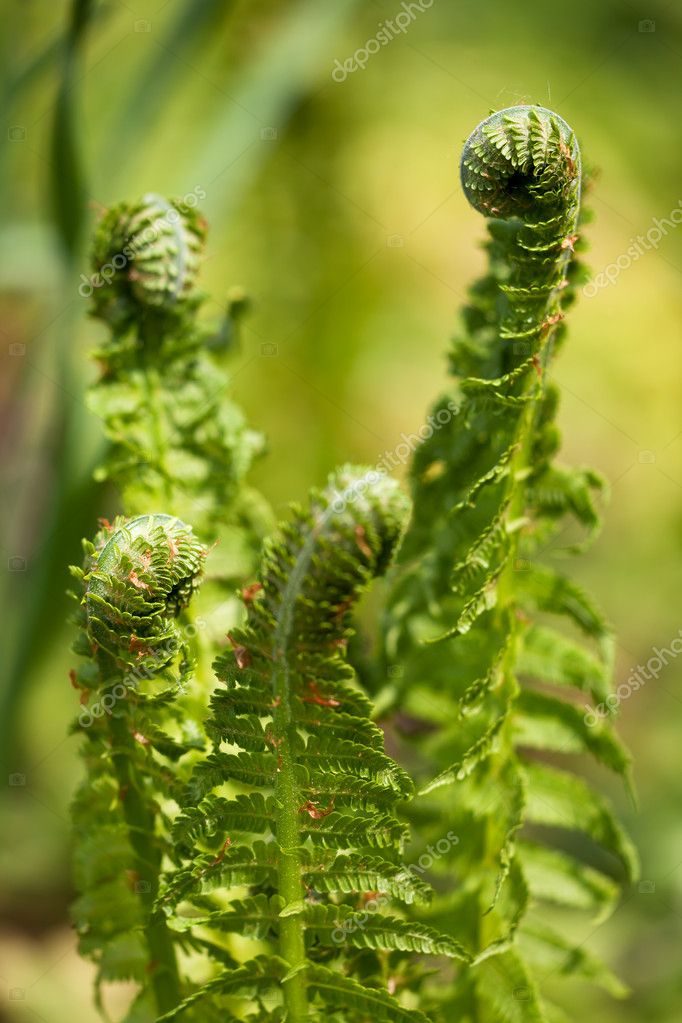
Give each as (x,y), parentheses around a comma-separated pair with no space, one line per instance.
(291,928)
(140,820)
(152,390)
(288,797)
(507,618)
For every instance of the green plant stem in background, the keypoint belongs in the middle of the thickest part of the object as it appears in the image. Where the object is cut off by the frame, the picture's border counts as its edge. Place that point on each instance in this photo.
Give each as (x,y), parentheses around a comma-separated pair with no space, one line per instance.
(69,501)
(272,88)
(69,197)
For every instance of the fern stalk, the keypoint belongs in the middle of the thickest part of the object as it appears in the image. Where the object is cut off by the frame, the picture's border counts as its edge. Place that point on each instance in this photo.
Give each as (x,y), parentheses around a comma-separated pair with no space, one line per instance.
(147,863)
(288,799)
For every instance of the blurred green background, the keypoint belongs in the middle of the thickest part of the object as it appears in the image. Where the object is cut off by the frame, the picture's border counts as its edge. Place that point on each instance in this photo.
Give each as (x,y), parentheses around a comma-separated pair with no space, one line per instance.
(336,205)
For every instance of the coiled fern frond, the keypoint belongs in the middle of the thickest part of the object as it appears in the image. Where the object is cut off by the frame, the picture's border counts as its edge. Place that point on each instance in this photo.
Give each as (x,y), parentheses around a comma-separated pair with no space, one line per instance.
(137,581)
(297,801)
(146,259)
(493,642)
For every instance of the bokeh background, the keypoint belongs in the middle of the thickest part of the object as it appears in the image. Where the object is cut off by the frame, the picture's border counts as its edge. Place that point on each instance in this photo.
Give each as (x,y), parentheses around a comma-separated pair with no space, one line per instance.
(336,204)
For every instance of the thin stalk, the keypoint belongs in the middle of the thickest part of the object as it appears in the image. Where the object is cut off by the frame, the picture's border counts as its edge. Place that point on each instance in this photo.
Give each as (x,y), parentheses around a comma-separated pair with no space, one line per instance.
(291,928)
(152,389)
(507,618)
(141,821)
(288,798)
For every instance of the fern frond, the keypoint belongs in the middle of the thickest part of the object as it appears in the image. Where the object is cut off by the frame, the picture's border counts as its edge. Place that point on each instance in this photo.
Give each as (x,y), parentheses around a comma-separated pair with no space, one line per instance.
(507,991)
(175,443)
(291,728)
(549,952)
(557,878)
(560,799)
(336,991)
(472,596)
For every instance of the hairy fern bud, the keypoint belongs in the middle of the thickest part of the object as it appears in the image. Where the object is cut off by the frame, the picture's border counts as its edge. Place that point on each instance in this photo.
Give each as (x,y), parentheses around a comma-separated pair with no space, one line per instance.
(145,261)
(520,162)
(139,578)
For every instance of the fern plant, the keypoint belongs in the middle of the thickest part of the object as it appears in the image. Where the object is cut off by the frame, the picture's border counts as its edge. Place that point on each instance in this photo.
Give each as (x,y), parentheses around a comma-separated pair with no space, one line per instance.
(487,670)
(248,861)
(297,800)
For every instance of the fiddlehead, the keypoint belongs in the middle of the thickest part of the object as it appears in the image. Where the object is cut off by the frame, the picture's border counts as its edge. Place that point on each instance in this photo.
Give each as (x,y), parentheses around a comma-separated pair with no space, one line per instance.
(293,737)
(524,162)
(138,582)
(471,600)
(146,258)
(138,579)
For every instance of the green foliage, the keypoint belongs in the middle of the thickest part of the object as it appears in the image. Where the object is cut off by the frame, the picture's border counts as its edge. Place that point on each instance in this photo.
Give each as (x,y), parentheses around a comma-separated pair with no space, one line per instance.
(146,260)
(282,848)
(488,674)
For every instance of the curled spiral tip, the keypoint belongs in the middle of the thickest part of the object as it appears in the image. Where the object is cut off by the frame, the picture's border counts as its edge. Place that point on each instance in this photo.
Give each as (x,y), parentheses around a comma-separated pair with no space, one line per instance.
(141,575)
(367,497)
(521,161)
(317,565)
(145,258)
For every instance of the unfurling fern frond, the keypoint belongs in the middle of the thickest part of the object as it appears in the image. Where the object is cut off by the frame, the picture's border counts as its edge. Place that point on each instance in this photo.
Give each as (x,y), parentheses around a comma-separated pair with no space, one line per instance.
(297,801)
(489,677)
(146,259)
(137,581)
(176,441)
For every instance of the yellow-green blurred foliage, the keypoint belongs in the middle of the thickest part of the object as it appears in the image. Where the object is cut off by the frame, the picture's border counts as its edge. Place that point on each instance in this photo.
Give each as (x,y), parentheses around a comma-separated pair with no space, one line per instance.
(336,204)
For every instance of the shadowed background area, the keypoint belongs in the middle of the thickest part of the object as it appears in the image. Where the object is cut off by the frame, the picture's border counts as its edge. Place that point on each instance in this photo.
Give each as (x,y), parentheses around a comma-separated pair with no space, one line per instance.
(332,194)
